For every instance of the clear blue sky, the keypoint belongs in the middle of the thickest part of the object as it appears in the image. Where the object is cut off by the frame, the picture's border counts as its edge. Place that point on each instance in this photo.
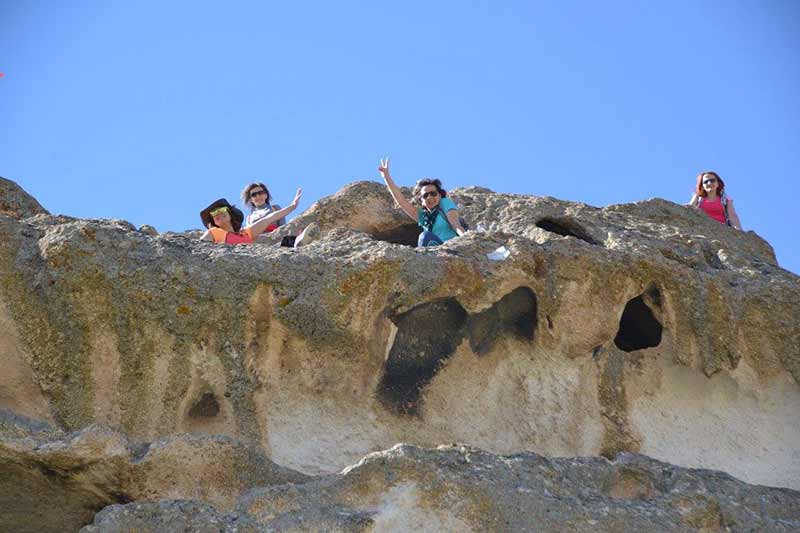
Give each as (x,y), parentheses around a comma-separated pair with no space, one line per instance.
(148,111)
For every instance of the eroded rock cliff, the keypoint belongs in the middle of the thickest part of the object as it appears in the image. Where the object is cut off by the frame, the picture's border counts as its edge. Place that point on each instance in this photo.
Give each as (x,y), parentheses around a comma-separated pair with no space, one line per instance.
(644,328)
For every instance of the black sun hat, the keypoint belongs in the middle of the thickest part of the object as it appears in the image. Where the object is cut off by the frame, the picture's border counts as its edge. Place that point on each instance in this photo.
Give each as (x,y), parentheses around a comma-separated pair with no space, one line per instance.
(236,214)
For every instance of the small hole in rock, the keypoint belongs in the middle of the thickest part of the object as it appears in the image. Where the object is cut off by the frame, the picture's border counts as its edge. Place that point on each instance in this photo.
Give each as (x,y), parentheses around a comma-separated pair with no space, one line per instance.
(206,407)
(566,227)
(407,234)
(638,327)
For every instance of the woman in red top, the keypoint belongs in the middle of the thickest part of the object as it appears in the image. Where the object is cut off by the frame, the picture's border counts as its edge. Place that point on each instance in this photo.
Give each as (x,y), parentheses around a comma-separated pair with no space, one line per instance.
(224,221)
(709,196)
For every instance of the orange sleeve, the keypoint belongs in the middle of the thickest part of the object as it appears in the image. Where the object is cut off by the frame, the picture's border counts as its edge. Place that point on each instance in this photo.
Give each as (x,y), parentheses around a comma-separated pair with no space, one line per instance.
(219,234)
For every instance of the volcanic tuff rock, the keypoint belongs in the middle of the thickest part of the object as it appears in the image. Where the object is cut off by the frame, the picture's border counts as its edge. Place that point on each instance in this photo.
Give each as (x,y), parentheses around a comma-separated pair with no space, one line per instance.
(57,482)
(643,327)
(458,488)
(406,488)
(17,203)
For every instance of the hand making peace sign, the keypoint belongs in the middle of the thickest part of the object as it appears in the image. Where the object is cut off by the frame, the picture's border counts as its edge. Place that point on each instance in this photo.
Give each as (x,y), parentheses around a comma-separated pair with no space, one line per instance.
(383,168)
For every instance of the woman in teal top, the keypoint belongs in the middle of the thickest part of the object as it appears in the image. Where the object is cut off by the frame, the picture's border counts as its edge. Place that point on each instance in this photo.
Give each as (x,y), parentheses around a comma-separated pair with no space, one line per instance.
(437,215)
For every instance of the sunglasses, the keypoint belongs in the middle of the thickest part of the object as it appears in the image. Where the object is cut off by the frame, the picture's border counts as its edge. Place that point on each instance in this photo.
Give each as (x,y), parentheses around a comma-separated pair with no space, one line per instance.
(430,193)
(712,180)
(259,192)
(218,211)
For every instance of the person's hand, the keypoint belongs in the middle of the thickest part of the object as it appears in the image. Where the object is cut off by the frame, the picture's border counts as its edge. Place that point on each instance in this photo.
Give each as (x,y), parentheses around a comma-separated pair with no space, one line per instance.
(297,196)
(383,168)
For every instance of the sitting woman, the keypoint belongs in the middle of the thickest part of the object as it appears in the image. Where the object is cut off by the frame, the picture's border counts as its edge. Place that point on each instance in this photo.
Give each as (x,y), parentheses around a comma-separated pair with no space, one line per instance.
(437,214)
(225,221)
(709,196)
(257,198)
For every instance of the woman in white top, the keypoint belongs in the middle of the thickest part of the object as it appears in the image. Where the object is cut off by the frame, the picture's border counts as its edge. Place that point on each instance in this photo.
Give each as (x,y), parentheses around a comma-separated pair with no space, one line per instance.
(256,197)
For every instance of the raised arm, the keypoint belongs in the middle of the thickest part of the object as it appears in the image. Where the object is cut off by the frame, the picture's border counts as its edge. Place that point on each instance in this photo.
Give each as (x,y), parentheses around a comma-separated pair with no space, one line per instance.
(395,191)
(259,227)
(693,201)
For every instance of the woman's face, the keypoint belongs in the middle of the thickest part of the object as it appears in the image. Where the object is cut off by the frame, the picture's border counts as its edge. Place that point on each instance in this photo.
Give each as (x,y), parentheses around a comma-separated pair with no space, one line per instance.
(258,196)
(710,184)
(222,219)
(429,194)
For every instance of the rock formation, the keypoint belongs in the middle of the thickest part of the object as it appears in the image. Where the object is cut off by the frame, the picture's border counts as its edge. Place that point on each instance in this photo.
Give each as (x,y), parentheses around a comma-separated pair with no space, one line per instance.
(643,328)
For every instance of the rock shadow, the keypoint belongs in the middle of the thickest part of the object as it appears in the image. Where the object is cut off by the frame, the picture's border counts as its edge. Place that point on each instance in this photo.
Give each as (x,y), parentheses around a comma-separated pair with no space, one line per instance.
(566,227)
(515,314)
(406,234)
(638,327)
(429,334)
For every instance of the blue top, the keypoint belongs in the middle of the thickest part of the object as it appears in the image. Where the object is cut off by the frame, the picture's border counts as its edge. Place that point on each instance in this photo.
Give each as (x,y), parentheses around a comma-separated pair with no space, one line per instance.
(441,228)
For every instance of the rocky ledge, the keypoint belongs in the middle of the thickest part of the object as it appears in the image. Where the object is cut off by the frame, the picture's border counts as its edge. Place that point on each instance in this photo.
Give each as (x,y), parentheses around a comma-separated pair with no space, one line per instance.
(212,483)
(643,328)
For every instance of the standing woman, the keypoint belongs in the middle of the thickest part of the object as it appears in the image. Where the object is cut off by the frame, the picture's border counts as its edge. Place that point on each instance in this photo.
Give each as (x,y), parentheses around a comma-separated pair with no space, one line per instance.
(437,214)
(256,197)
(709,196)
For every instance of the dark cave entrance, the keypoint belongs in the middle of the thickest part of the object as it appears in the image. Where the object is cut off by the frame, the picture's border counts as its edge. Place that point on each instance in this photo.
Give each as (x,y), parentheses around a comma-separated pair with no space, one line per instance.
(638,327)
(406,234)
(426,337)
(516,314)
(206,407)
(566,227)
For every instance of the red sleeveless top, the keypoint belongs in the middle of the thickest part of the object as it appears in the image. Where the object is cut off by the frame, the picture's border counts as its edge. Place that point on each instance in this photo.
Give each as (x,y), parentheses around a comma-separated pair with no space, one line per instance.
(714,208)
(243,237)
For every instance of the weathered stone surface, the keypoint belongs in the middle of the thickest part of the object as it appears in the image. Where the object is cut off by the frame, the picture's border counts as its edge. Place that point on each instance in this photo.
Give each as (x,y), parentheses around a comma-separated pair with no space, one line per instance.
(458,488)
(168,516)
(57,482)
(643,328)
(16,203)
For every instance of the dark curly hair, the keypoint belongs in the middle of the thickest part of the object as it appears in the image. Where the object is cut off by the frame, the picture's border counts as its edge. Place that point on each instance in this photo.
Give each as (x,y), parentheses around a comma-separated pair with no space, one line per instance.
(246,201)
(416,198)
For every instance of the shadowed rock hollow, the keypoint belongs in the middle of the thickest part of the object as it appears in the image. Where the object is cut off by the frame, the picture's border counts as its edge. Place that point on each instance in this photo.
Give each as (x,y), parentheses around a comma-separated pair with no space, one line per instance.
(644,328)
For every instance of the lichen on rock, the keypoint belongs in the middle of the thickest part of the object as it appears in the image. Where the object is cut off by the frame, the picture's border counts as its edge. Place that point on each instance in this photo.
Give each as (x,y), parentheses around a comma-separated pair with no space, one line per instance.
(641,327)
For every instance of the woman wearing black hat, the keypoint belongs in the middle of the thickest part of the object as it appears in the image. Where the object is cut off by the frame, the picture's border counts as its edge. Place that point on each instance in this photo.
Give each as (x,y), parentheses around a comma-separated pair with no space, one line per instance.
(224,222)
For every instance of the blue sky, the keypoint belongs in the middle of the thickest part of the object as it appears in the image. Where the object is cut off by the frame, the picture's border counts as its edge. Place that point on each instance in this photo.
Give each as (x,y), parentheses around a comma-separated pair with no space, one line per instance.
(148,111)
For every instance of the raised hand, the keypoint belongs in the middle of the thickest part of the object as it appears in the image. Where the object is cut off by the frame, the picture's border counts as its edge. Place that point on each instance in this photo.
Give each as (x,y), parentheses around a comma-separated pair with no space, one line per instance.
(383,168)
(297,196)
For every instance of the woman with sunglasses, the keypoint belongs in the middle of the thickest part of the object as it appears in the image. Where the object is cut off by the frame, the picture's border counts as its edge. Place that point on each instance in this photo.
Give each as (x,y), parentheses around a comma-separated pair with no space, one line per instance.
(256,197)
(224,222)
(709,196)
(437,214)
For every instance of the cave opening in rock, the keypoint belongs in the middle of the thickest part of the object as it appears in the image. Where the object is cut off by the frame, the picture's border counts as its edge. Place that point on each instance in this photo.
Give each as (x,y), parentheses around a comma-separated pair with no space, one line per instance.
(426,337)
(566,227)
(638,327)
(515,313)
(406,234)
(206,407)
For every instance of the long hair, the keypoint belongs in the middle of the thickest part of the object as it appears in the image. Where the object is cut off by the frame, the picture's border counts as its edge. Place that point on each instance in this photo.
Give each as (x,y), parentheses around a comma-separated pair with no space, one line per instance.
(416,198)
(246,201)
(699,191)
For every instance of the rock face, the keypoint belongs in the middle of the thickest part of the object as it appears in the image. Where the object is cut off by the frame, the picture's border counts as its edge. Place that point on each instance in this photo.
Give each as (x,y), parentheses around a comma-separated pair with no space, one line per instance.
(16,203)
(457,488)
(645,328)
(57,482)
